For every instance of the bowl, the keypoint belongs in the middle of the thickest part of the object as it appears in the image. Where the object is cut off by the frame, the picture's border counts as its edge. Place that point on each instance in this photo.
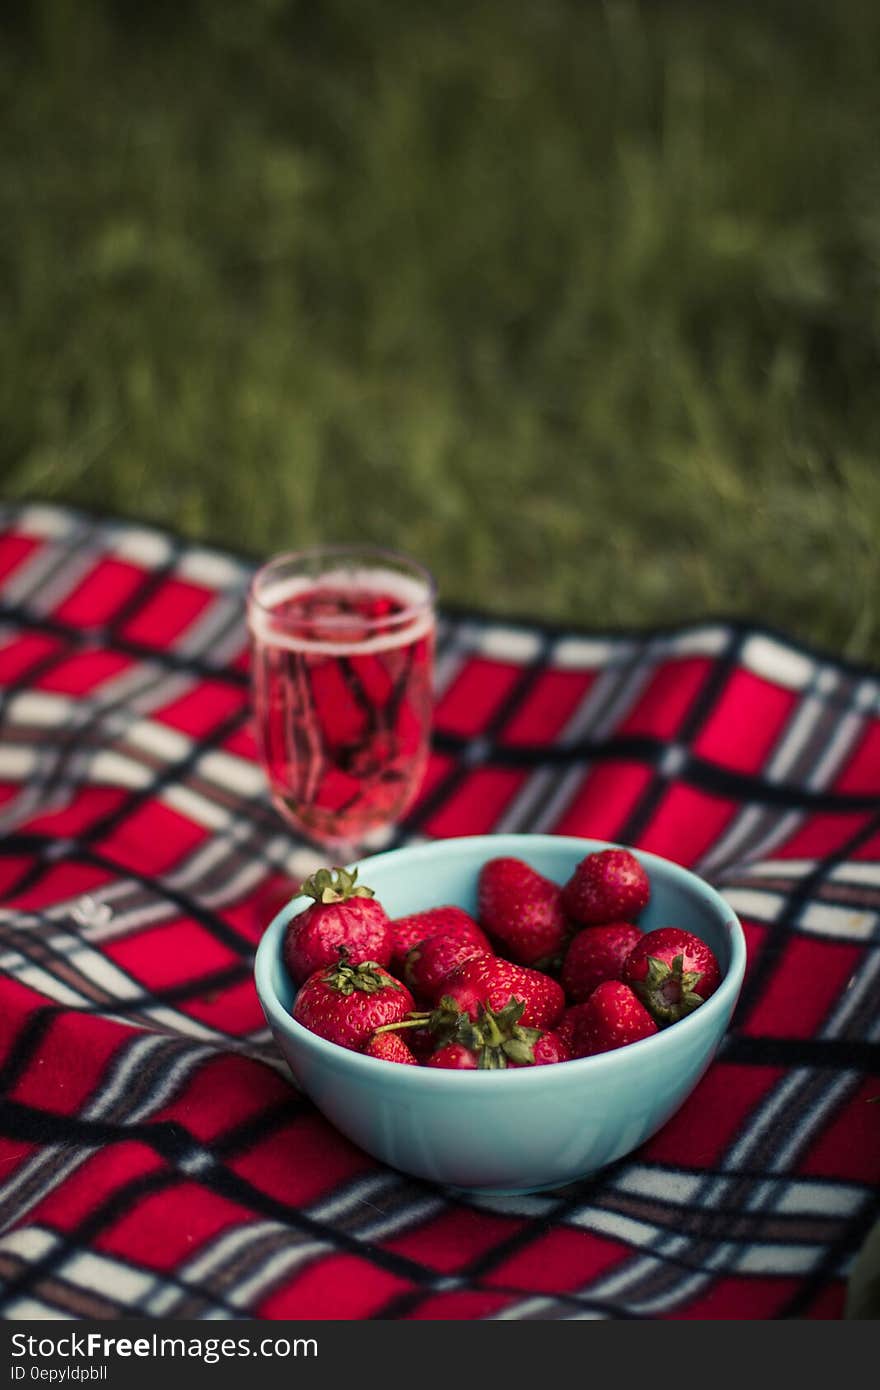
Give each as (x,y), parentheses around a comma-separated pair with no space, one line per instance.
(518,1130)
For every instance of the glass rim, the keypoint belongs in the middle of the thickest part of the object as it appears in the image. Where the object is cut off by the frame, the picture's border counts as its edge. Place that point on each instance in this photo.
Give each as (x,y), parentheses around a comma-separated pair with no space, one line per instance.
(371,556)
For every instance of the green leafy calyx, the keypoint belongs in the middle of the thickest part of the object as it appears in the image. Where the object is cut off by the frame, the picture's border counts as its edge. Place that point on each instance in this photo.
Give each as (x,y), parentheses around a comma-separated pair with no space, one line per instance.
(367,978)
(495,1037)
(668,990)
(335,886)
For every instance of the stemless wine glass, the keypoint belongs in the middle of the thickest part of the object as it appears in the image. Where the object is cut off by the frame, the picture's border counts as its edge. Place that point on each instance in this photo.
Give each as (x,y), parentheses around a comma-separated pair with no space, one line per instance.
(342,642)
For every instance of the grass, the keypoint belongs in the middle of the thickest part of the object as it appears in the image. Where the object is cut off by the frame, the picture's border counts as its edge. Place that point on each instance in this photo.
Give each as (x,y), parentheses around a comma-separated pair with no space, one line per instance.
(578,302)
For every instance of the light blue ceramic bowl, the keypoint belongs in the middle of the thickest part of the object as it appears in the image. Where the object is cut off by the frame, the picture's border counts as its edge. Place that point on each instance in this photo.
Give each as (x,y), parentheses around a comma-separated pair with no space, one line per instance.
(523,1129)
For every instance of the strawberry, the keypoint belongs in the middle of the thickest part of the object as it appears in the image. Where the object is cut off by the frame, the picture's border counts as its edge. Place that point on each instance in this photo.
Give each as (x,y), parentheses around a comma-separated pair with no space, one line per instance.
(346,1002)
(496,1039)
(672,972)
(549,1048)
(391,1047)
(412,930)
(565,1028)
(611,1017)
(428,964)
(490,981)
(596,954)
(422,1041)
(406,932)
(521,909)
(344,913)
(429,1029)
(608,886)
(454,1056)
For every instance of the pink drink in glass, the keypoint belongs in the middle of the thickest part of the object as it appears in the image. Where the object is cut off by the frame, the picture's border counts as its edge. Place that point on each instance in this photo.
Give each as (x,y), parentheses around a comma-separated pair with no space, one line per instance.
(342,651)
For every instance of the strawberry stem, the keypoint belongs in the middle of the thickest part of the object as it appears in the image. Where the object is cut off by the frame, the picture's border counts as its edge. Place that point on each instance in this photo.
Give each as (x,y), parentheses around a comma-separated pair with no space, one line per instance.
(412,1020)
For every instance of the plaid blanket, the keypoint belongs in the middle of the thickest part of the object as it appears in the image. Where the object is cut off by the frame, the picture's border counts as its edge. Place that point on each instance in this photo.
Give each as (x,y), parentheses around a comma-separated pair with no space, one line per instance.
(154,1159)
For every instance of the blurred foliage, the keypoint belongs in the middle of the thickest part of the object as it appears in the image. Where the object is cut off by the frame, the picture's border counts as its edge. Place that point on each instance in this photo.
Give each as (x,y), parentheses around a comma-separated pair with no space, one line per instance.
(578,302)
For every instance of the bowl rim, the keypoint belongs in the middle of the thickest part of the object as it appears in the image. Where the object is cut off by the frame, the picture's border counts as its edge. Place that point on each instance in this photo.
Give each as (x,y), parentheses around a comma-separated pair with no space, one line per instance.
(431,1078)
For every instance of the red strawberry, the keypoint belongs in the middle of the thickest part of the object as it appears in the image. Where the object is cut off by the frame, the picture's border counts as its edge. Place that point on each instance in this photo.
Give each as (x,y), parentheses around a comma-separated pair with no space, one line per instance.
(347,1002)
(428,964)
(550,1047)
(488,980)
(673,972)
(608,886)
(422,1041)
(344,913)
(611,1017)
(406,932)
(454,1056)
(596,954)
(496,1039)
(429,1029)
(410,931)
(565,1028)
(493,1040)
(522,909)
(390,1047)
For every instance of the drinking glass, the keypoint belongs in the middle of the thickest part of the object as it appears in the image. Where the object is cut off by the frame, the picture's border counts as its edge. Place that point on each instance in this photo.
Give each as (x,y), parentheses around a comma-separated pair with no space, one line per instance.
(342,641)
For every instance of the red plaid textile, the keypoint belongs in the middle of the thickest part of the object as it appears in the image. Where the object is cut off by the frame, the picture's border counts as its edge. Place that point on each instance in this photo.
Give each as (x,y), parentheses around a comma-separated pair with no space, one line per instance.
(154,1160)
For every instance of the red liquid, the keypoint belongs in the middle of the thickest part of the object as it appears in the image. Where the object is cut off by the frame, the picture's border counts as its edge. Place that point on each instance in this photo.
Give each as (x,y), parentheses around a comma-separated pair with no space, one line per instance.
(342,691)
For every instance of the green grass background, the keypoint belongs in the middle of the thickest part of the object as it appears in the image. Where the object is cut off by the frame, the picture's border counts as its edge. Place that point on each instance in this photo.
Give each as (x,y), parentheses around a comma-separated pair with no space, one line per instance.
(579,302)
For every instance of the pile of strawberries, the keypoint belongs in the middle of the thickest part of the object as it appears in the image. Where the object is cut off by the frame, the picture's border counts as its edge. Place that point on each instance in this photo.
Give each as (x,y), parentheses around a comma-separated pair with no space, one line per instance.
(547,973)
